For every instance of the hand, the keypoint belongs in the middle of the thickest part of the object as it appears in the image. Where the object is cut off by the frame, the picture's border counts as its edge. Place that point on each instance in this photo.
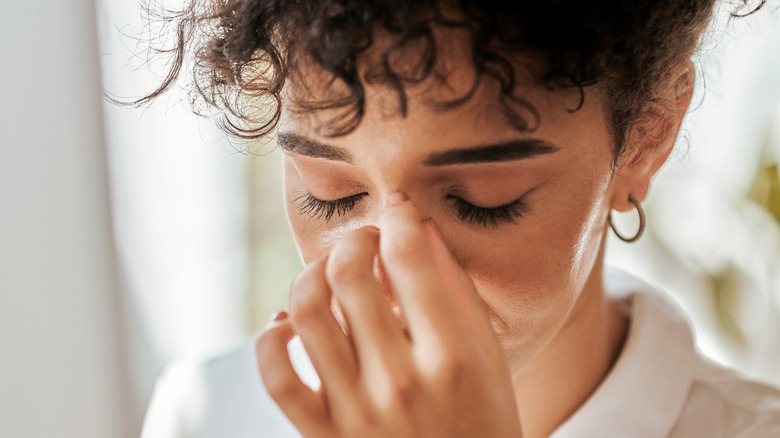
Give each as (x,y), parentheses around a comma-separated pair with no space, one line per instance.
(444,376)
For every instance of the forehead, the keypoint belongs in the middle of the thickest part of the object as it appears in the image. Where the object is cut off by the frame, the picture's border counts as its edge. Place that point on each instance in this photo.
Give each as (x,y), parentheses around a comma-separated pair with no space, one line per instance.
(427,123)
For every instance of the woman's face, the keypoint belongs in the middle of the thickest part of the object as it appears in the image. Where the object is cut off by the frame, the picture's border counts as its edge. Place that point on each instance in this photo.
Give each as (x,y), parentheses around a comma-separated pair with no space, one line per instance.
(524,213)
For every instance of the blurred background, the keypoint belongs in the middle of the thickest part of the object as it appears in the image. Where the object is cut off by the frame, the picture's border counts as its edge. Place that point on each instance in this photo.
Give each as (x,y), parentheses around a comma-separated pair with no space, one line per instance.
(131,238)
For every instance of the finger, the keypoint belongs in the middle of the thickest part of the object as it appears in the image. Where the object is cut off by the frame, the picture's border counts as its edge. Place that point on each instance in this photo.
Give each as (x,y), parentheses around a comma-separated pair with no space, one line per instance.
(303,407)
(465,296)
(328,347)
(350,273)
(415,278)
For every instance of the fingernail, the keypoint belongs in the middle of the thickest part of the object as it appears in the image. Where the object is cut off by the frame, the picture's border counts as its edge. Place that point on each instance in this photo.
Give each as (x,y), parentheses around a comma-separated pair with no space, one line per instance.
(279,316)
(396,198)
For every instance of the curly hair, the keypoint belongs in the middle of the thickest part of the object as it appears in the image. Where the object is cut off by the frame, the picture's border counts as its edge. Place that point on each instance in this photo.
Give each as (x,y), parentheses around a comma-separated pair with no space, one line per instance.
(243,52)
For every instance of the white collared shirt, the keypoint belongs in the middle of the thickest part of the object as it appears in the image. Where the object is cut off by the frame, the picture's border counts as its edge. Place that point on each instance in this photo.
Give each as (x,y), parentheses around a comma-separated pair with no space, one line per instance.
(659,387)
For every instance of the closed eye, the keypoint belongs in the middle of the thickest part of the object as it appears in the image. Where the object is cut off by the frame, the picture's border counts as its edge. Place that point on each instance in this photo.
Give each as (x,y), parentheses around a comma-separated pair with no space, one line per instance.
(318,208)
(490,217)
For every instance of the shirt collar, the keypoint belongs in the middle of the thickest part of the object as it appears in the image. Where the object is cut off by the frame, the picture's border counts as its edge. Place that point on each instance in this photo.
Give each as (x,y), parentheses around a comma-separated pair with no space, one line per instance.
(644,393)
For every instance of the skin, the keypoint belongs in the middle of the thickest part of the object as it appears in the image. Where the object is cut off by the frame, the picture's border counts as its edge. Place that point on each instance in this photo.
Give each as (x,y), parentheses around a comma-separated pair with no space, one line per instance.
(490,316)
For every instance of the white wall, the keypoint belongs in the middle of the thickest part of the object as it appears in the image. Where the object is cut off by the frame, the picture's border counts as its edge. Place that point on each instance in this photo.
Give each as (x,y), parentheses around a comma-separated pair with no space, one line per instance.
(178,197)
(61,372)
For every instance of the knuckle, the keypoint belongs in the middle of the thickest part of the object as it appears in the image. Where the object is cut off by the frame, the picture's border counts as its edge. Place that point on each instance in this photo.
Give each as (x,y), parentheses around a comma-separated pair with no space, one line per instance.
(452,371)
(308,298)
(281,387)
(305,308)
(350,261)
(406,388)
(267,339)
(343,268)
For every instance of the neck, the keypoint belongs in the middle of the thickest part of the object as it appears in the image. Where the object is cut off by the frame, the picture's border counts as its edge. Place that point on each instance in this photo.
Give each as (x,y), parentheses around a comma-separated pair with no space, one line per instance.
(562,377)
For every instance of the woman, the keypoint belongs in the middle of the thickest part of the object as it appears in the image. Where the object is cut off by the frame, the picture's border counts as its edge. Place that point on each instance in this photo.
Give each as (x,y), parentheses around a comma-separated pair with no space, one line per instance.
(450,171)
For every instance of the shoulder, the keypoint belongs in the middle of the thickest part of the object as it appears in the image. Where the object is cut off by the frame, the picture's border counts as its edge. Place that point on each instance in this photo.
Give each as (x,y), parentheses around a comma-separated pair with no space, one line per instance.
(661,386)
(715,401)
(723,403)
(216,397)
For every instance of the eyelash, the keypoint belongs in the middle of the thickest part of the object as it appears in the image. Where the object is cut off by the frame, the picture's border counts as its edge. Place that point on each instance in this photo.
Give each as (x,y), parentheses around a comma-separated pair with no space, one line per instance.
(488,217)
(318,209)
(491,217)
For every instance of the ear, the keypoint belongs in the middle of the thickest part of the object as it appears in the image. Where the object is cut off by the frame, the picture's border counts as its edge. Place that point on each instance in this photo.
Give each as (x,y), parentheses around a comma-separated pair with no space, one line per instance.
(651,139)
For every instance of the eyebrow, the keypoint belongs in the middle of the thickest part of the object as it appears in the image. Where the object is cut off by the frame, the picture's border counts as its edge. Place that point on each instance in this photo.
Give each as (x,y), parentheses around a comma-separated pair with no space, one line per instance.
(297,144)
(506,151)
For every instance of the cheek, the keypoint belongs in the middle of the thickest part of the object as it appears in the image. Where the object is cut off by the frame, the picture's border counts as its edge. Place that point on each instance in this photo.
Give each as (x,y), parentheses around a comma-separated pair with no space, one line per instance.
(315,241)
(531,277)
(308,237)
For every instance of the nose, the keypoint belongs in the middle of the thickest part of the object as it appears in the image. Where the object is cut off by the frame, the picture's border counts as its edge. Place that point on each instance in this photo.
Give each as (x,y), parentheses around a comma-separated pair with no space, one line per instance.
(396,198)
(420,202)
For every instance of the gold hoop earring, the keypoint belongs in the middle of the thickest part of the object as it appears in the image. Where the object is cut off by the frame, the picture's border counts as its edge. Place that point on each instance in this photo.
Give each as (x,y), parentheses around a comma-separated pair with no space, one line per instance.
(642,222)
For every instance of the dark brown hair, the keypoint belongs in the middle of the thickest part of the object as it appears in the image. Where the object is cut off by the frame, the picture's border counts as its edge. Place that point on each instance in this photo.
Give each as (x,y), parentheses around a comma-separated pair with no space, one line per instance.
(243,51)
